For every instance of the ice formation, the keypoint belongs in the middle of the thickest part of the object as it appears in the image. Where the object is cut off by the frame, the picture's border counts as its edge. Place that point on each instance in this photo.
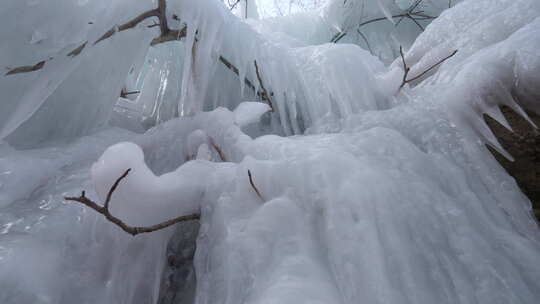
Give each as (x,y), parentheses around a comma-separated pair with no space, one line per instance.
(368,192)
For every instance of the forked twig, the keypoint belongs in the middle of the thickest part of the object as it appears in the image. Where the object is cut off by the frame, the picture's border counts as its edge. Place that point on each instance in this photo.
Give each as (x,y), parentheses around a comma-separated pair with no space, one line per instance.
(104,210)
(407,69)
(253,186)
(264,94)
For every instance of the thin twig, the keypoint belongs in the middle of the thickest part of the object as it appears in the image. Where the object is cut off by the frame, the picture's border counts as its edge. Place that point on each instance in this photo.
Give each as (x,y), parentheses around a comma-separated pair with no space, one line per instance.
(433,66)
(365,40)
(113,188)
(264,94)
(124,93)
(407,69)
(409,13)
(232,6)
(234,69)
(253,186)
(104,210)
(218,149)
(404,15)
(337,37)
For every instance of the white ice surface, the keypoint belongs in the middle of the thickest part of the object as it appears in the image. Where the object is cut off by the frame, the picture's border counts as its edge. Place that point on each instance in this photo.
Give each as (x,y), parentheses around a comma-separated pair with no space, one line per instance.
(383,196)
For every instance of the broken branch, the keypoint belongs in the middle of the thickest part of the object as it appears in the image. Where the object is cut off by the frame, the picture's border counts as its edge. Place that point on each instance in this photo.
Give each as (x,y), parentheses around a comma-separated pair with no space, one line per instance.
(124,93)
(104,210)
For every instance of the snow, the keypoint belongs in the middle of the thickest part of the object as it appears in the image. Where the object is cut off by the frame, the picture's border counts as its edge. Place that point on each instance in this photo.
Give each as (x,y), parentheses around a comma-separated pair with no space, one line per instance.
(368,192)
(249,112)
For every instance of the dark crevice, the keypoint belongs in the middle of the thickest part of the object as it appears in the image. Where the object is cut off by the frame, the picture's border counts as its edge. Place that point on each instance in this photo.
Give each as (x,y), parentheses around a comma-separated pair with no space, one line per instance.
(524,145)
(178,280)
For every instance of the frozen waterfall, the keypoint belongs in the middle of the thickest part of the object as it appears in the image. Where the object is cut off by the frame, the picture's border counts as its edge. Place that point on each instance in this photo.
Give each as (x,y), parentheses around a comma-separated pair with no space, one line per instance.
(364,186)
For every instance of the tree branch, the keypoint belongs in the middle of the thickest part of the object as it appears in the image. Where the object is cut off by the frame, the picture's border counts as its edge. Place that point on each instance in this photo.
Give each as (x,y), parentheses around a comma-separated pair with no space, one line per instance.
(166,34)
(234,69)
(104,210)
(78,50)
(131,24)
(26,68)
(233,5)
(253,186)
(217,148)
(407,69)
(124,93)
(264,94)
(409,13)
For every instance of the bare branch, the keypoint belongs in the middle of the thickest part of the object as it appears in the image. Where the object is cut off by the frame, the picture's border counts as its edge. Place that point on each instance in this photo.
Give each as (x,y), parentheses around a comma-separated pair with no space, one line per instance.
(264,94)
(124,93)
(253,186)
(172,35)
(26,68)
(365,40)
(337,37)
(233,5)
(218,149)
(162,15)
(433,66)
(113,188)
(412,16)
(153,25)
(166,35)
(407,69)
(130,24)
(78,50)
(118,222)
(234,69)
(409,13)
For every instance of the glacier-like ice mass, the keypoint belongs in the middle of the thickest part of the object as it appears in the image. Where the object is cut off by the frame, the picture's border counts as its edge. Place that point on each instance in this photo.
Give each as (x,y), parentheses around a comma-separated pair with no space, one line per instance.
(368,193)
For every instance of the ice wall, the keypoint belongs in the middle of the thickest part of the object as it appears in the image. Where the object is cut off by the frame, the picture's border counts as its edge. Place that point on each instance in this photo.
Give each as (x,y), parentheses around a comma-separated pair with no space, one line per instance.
(385,195)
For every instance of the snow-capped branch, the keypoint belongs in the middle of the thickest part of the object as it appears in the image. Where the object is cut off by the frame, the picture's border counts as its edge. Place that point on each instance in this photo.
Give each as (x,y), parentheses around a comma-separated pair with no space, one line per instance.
(407,69)
(104,210)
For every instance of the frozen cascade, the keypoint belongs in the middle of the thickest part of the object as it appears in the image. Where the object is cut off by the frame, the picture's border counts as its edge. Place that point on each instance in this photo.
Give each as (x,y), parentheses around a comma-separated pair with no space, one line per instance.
(383,195)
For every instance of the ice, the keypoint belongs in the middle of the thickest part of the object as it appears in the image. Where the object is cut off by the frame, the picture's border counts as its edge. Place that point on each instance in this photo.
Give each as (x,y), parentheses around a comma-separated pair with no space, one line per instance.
(352,190)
